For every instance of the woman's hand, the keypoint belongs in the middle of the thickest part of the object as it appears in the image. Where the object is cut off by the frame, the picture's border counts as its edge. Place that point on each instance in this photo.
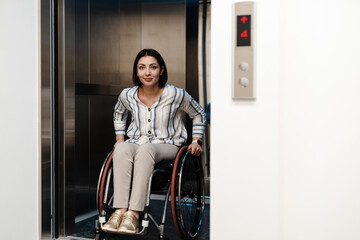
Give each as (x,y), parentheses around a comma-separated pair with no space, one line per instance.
(195,149)
(119,139)
(117,143)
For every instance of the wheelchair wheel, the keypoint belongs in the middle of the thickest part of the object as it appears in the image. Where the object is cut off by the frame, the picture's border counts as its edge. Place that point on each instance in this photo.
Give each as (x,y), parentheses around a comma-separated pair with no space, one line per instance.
(187,194)
(105,191)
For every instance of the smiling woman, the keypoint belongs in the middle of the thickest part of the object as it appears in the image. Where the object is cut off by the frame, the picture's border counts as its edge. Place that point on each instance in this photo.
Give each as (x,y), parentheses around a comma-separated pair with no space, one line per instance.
(148,71)
(155,133)
(149,59)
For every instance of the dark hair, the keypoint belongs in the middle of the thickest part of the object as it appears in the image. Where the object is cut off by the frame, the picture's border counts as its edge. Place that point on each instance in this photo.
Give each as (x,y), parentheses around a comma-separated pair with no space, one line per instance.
(153,53)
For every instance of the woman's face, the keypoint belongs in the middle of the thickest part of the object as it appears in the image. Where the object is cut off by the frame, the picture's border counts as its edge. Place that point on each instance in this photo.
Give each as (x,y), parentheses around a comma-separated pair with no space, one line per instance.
(148,71)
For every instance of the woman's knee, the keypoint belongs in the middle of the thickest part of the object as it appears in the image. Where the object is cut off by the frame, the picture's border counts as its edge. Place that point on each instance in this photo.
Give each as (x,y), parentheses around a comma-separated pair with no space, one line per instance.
(146,152)
(124,151)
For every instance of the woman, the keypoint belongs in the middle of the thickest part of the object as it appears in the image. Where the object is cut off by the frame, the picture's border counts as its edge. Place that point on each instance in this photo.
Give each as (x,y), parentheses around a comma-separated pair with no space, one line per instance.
(155,133)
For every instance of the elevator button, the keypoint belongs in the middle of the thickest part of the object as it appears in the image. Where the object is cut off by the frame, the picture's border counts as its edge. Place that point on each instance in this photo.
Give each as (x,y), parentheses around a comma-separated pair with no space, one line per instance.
(244,82)
(244,66)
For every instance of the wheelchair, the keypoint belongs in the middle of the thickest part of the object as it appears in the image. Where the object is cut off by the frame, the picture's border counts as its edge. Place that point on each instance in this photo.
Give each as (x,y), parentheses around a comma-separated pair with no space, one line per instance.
(181,181)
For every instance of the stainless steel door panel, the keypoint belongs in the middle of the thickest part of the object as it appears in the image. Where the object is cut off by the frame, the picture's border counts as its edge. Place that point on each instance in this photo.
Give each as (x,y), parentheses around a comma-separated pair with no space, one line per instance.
(163,28)
(104,44)
(45,123)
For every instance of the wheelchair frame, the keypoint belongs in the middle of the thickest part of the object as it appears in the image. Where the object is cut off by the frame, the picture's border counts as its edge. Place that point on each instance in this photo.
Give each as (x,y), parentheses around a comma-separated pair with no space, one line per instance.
(186,190)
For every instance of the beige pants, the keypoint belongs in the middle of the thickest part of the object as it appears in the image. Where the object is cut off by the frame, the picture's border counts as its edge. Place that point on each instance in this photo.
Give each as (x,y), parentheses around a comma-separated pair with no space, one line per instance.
(139,160)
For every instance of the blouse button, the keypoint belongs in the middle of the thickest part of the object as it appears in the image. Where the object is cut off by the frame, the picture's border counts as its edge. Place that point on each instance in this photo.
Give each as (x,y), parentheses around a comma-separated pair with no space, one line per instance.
(149,132)
(149,109)
(149,120)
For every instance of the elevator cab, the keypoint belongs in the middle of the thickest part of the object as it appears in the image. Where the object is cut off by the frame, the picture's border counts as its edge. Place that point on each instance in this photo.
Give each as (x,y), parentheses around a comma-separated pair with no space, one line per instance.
(87,51)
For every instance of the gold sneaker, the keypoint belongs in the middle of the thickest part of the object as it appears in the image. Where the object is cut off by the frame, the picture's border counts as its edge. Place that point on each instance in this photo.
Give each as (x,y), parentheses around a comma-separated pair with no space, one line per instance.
(129,224)
(113,223)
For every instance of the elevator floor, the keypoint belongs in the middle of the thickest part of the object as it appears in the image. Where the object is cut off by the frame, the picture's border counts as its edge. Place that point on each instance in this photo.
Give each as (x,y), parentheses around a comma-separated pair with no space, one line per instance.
(85,229)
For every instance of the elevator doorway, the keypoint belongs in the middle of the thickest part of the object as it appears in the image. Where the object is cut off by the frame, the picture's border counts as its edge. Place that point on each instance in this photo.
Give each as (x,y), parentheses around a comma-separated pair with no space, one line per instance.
(92,46)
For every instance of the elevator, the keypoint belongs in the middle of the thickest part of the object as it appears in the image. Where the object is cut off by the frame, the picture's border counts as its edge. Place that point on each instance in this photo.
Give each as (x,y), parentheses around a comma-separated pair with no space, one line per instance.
(87,52)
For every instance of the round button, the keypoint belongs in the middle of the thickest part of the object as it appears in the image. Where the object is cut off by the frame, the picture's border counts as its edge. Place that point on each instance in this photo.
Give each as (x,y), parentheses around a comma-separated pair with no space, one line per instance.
(149,109)
(149,120)
(244,82)
(244,66)
(149,132)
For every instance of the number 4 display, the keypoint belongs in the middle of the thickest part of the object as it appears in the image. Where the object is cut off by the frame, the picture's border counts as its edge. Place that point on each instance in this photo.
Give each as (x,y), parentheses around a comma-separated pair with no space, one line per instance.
(243,30)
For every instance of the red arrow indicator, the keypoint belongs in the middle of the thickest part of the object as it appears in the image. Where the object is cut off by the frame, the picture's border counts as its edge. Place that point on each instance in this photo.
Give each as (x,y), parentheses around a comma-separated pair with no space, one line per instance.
(243,19)
(244,34)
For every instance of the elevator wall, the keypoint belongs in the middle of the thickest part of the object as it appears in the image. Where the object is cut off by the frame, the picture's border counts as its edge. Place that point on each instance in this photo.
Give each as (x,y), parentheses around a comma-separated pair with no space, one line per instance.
(286,166)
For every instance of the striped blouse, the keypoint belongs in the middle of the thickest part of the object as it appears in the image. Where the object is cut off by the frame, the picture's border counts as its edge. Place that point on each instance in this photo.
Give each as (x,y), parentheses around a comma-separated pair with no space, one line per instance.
(162,122)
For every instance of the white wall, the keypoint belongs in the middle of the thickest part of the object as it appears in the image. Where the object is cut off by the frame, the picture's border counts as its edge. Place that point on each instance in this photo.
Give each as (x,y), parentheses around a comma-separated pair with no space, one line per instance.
(19,120)
(285,166)
(320,119)
(245,134)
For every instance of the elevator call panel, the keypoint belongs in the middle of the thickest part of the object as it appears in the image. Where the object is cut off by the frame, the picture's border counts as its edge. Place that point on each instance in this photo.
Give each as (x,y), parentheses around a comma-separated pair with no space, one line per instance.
(243,82)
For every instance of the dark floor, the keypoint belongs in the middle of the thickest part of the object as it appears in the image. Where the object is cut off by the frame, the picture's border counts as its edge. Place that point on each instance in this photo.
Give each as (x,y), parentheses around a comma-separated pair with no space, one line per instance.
(86,229)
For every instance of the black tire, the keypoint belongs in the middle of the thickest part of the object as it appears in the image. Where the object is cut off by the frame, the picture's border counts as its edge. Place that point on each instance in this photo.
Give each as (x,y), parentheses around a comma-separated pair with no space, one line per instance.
(187,194)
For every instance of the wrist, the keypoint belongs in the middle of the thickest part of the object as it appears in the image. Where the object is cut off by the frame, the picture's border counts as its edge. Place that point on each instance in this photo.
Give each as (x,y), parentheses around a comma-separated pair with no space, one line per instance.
(120,138)
(197,141)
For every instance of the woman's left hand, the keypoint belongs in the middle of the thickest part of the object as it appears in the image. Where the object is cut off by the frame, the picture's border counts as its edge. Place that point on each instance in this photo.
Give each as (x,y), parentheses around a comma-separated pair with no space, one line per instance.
(195,149)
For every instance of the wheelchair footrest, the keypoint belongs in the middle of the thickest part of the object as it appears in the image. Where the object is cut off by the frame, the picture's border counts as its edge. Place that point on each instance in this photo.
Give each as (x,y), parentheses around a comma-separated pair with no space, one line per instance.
(138,232)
